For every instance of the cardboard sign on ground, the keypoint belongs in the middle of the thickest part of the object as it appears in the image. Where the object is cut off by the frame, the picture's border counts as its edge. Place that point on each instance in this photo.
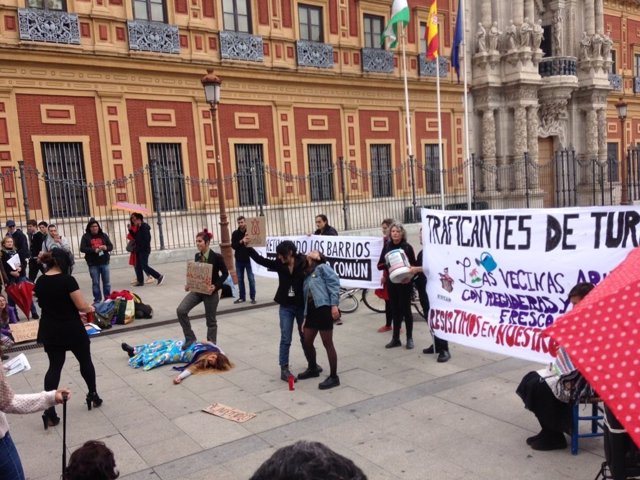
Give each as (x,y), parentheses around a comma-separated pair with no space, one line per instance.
(199,276)
(24,331)
(257,231)
(229,413)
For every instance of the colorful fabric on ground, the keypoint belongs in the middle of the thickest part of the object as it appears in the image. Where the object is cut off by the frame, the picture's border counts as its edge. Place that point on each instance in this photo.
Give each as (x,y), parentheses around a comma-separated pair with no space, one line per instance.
(162,352)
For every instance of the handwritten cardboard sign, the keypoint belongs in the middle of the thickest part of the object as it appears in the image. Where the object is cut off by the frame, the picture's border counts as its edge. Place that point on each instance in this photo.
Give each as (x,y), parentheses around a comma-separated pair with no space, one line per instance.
(199,276)
(25,331)
(229,413)
(257,231)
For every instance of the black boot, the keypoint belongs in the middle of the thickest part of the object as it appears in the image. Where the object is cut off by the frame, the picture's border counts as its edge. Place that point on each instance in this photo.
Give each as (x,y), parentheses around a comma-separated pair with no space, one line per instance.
(549,440)
(128,348)
(285,373)
(310,372)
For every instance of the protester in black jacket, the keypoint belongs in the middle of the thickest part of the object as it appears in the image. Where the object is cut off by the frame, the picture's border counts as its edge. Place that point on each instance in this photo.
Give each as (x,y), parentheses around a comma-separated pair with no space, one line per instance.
(20,242)
(36,232)
(96,245)
(290,267)
(142,238)
(322,222)
(243,263)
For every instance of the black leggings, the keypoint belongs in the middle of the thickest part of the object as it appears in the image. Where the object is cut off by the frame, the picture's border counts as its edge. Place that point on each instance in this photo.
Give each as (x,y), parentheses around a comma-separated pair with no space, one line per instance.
(57,356)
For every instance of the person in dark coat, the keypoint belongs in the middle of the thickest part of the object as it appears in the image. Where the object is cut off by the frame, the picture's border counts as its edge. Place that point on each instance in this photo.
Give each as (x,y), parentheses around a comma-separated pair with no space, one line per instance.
(62,329)
(142,237)
(243,263)
(20,242)
(96,246)
(322,222)
(37,232)
(219,274)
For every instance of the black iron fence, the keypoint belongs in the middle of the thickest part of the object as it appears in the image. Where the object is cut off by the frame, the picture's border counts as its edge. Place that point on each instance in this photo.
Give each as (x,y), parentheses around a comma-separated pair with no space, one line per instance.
(178,206)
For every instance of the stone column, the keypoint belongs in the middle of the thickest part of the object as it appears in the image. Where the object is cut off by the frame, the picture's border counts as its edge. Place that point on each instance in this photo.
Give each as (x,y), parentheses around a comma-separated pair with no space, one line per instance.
(530,10)
(486,17)
(599,16)
(532,146)
(518,11)
(519,144)
(592,138)
(589,17)
(489,150)
(602,138)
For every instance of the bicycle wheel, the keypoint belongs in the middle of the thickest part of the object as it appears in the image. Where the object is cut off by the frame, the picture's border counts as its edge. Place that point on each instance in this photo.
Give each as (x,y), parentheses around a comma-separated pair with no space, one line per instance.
(348,301)
(373,301)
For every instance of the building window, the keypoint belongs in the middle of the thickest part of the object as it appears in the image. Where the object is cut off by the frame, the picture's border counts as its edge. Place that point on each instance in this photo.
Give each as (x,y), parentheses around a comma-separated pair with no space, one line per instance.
(547,43)
(167,181)
(373,25)
(237,15)
(381,175)
(636,66)
(613,161)
(60,5)
(613,62)
(150,10)
(432,168)
(310,23)
(423,37)
(250,168)
(67,183)
(320,172)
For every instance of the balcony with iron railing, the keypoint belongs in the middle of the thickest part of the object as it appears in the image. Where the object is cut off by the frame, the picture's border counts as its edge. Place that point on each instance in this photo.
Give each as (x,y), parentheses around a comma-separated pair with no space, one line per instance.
(241,46)
(428,67)
(377,60)
(153,37)
(558,66)
(52,26)
(615,81)
(314,54)
(636,84)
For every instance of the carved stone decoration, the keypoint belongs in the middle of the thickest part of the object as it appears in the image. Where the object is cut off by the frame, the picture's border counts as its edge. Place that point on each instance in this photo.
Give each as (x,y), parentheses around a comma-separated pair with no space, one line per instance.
(557,34)
(153,37)
(511,37)
(241,46)
(48,26)
(596,45)
(532,142)
(585,46)
(377,60)
(540,7)
(519,131)
(488,134)
(525,34)
(314,54)
(481,35)
(607,43)
(553,116)
(537,35)
(494,36)
(591,133)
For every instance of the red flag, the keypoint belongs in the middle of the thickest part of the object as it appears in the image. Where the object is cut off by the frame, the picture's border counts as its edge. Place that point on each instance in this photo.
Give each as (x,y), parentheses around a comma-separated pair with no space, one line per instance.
(432,31)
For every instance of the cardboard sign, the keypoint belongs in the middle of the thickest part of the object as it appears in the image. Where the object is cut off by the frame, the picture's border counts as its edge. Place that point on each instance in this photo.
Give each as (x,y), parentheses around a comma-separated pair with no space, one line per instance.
(257,231)
(229,413)
(25,331)
(199,277)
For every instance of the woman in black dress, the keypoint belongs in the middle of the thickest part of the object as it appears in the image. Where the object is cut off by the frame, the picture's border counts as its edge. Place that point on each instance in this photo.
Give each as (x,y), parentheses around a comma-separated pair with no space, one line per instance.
(61,327)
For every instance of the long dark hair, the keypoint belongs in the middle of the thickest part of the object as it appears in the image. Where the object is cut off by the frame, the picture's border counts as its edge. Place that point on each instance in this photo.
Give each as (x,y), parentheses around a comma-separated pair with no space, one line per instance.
(92,461)
(57,257)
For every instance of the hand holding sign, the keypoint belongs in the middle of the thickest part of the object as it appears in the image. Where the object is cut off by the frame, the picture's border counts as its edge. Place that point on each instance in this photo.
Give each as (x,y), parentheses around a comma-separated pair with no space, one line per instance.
(256,232)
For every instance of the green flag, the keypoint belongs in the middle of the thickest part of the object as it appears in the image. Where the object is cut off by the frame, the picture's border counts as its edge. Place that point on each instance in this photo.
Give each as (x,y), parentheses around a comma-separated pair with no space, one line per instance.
(399,14)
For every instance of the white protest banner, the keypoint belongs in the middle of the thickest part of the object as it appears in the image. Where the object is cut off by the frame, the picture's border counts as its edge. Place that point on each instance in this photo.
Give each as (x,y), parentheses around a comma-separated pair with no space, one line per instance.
(498,278)
(354,259)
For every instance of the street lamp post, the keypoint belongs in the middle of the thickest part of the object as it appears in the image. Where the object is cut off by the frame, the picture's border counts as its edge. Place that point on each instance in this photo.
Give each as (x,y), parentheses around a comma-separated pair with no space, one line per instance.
(621,106)
(211,84)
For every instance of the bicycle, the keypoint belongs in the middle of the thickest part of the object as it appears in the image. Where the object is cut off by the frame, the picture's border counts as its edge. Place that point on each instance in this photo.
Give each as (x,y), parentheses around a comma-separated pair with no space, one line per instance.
(349,301)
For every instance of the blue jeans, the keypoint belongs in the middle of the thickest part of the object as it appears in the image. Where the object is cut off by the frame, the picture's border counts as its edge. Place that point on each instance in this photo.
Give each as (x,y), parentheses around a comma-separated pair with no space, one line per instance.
(289,313)
(97,271)
(242,267)
(10,465)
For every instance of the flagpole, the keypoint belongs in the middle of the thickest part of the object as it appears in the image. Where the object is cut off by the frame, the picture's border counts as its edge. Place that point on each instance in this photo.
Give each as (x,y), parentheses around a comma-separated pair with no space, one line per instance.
(466,107)
(406,91)
(441,164)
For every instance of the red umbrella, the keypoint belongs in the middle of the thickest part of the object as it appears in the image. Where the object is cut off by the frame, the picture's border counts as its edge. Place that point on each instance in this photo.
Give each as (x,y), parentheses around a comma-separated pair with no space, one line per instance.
(602,336)
(22,294)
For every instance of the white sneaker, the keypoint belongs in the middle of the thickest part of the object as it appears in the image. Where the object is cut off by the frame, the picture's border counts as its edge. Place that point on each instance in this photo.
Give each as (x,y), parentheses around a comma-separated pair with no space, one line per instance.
(150,280)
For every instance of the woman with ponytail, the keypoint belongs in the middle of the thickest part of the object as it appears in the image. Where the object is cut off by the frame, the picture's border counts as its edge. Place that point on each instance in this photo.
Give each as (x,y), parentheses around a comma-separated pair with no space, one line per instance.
(218,275)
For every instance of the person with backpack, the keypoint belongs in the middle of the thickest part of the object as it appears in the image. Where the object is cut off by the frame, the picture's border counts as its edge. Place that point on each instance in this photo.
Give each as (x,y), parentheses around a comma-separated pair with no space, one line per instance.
(96,246)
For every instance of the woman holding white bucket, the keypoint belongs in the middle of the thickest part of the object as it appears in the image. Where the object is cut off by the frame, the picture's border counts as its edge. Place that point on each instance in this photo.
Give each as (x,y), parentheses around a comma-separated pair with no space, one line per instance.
(398,259)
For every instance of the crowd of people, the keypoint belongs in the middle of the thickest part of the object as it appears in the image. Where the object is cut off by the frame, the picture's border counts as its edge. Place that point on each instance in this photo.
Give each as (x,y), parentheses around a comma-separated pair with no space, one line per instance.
(308,296)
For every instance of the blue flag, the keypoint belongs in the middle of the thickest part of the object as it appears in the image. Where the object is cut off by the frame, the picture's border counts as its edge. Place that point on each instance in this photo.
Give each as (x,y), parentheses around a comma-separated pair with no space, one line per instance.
(457,41)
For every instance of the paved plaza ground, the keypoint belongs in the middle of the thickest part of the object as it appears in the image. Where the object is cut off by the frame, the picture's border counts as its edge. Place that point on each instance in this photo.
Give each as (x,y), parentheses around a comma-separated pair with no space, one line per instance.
(398,414)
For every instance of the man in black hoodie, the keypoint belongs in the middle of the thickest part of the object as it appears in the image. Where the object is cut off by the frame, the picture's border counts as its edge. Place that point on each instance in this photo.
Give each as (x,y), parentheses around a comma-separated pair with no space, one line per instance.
(95,245)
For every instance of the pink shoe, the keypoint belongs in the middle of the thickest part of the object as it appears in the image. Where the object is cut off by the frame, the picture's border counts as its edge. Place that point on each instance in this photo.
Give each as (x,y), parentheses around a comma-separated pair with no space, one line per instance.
(385,328)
